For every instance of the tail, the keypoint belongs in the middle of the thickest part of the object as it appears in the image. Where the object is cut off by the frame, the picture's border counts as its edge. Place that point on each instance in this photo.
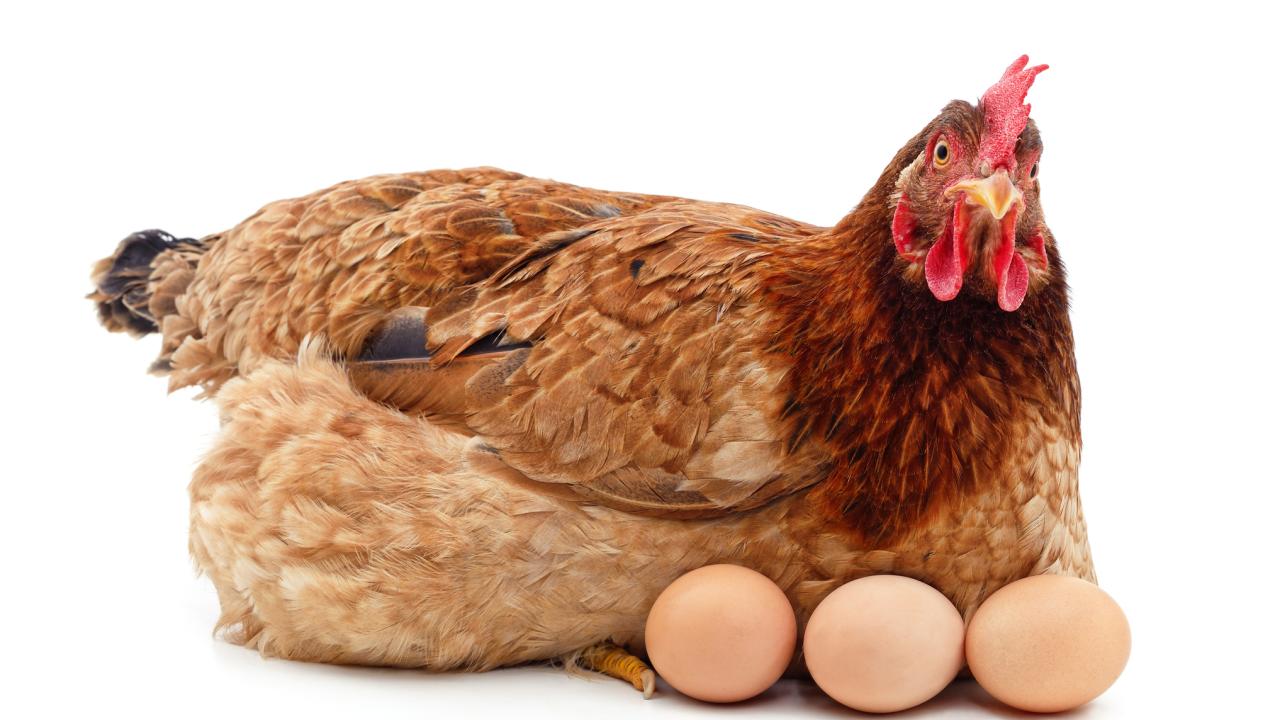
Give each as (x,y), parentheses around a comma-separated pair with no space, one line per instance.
(138,284)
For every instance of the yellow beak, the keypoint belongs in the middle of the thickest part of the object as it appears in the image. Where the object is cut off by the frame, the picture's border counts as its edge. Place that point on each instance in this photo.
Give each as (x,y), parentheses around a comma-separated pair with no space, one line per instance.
(996,193)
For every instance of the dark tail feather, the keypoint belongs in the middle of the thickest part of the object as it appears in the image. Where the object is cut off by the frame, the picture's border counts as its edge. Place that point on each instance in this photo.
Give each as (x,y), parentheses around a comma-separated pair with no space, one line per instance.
(125,280)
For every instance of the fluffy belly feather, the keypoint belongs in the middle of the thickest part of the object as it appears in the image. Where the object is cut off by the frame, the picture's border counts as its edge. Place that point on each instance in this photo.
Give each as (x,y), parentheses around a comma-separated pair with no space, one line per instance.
(336,529)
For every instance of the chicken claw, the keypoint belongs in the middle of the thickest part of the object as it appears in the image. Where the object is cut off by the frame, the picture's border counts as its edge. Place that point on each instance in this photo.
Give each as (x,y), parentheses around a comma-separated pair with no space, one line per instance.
(609,659)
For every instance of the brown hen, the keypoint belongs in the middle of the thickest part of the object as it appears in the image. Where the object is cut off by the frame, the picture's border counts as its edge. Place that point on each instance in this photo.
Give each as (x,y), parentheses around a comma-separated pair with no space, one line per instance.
(525,407)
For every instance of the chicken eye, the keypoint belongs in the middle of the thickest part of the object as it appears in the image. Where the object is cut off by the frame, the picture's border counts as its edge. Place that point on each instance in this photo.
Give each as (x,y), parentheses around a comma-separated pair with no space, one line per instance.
(1035,170)
(941,153)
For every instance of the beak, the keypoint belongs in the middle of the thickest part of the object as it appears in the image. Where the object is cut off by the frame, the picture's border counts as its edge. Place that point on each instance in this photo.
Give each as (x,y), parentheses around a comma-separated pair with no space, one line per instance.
(996,193)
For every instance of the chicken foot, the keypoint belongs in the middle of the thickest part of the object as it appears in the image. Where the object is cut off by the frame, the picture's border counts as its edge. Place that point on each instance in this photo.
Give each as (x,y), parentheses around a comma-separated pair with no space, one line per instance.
(609,659)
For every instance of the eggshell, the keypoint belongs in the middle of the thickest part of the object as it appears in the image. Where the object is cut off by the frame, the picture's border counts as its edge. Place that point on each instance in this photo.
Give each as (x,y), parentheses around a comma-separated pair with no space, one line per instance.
(721,633)
(884,643)
(1048,643)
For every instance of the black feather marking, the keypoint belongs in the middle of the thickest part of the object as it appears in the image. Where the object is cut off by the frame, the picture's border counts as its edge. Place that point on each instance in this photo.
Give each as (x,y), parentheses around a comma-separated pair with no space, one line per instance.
(635,267)
(122,287)
(745,236)
(492,343)
(404,337)
(133,258)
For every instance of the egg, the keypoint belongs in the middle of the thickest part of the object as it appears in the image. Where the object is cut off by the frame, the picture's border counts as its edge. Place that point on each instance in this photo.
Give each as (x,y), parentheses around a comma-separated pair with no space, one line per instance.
(721,633)
(1047,643)
(884,643)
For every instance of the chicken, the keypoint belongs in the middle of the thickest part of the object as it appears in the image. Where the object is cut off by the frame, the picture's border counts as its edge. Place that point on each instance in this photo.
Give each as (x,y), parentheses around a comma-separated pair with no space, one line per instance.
(474,419)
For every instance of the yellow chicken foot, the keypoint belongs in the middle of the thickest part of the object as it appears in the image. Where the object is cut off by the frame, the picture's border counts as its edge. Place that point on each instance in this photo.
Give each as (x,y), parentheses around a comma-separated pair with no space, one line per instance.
(609,659)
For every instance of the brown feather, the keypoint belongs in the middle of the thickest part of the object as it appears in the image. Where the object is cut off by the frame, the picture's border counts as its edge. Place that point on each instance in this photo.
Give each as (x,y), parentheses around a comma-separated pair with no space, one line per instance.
(563,398)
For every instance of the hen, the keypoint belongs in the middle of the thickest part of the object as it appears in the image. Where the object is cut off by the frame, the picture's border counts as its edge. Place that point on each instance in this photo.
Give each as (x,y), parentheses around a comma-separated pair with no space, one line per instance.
(521,408)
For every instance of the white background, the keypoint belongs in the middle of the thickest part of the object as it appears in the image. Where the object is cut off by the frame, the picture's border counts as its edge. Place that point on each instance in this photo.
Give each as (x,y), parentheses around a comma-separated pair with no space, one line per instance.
(1159,180)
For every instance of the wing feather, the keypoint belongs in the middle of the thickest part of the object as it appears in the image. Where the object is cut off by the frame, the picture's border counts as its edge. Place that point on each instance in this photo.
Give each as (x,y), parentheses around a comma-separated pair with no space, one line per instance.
(644,384)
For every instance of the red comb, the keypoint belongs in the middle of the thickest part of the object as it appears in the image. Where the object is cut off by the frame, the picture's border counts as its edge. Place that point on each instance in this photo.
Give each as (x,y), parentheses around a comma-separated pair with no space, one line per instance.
(1005,112)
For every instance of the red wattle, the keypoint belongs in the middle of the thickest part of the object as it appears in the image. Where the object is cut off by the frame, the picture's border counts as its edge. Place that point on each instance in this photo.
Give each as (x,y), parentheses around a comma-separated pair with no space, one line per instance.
(945,263)
(1010,269)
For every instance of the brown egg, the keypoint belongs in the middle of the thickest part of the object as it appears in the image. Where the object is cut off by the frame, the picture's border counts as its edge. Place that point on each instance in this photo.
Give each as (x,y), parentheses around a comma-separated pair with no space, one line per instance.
(884,643)
(1047,643)
(721,633)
